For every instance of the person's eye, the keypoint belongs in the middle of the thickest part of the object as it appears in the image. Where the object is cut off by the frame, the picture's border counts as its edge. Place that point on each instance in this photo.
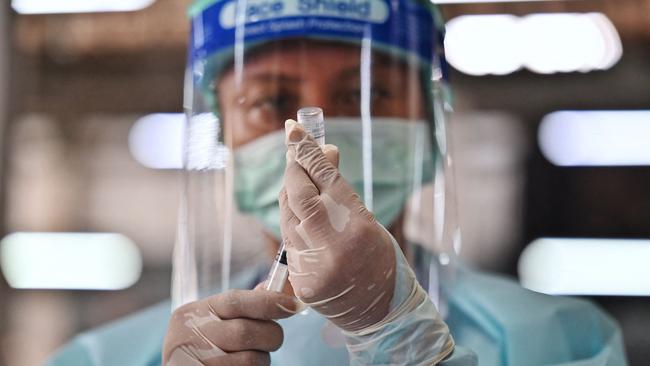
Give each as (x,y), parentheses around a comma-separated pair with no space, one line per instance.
(276,103)
(377,95)
(352,96)
(273,108)
(380,94)
(267,104)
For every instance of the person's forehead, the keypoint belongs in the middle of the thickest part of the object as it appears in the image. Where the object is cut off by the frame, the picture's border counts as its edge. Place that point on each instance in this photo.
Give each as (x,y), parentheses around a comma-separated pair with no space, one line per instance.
(302,56)
(302,48)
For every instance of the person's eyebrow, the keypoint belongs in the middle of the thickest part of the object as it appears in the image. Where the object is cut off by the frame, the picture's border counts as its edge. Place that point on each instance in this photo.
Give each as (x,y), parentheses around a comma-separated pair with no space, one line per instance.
(271,77)
(354,71)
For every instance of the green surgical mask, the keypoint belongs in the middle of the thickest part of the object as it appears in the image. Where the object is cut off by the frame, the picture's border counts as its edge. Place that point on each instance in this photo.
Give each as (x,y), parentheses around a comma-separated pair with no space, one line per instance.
(402,162)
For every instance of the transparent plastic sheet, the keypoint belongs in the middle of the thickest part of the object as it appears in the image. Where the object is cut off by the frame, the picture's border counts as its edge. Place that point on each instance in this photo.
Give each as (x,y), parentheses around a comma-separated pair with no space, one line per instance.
(379,83)
(208,223)
(201,258)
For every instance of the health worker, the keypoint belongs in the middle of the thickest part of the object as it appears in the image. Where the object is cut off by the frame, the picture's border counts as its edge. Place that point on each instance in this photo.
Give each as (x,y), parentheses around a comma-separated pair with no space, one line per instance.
(368,220)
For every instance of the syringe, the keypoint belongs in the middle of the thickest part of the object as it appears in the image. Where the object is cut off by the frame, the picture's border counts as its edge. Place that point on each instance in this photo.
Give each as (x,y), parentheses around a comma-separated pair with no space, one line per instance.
(313,121)
(279,271)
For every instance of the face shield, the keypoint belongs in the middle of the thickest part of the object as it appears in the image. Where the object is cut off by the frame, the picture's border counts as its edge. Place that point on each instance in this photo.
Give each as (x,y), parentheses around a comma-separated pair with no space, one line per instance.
(375,68)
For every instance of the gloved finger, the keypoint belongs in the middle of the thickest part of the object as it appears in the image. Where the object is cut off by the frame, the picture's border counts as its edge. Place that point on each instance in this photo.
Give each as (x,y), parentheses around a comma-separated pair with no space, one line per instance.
(288,223)
(310,156)
(338,214)
(242,334)
(305,264)
(337,196)
(303,197)
(244,358)
(262,305)
(331,154)
(188,353)
(184,341)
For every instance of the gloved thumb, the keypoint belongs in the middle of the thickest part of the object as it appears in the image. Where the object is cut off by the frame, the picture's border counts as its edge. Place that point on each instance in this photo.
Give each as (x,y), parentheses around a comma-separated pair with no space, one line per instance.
(331,154)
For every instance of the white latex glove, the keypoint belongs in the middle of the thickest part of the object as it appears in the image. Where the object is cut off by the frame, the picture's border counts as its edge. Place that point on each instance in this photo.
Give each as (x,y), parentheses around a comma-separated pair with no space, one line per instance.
(348,267)
(341,261)
(233,328)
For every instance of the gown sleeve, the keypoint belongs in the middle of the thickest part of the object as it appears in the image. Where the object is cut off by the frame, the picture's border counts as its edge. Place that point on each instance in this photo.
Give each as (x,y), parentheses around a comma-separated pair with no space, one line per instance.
(134,340)
(505,324)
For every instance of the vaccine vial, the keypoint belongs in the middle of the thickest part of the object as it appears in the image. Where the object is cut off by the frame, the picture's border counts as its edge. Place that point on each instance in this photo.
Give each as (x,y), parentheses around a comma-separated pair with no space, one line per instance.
(312,119)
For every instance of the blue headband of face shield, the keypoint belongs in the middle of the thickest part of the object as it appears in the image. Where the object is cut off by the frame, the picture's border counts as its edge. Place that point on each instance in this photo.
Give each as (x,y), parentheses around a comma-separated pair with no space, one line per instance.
(410,28)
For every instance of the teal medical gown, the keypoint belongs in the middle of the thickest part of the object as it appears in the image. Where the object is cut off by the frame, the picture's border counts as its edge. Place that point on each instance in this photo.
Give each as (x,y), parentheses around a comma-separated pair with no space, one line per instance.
(493,320)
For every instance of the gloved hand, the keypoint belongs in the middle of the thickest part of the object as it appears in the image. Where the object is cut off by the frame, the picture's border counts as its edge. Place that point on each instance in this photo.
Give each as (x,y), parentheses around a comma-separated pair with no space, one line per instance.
(341,261)
(349,268)
(233,328)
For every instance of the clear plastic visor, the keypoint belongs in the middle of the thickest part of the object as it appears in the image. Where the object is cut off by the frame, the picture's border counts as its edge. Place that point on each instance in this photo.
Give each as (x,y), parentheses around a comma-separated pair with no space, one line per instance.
(381,113)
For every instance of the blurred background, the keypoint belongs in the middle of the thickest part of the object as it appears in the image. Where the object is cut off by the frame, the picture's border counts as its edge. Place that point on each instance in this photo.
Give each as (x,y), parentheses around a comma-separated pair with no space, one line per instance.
(551,136)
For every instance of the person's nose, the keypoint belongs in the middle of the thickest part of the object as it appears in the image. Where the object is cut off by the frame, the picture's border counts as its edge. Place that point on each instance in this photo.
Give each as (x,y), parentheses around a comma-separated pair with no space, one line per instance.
(314,95)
